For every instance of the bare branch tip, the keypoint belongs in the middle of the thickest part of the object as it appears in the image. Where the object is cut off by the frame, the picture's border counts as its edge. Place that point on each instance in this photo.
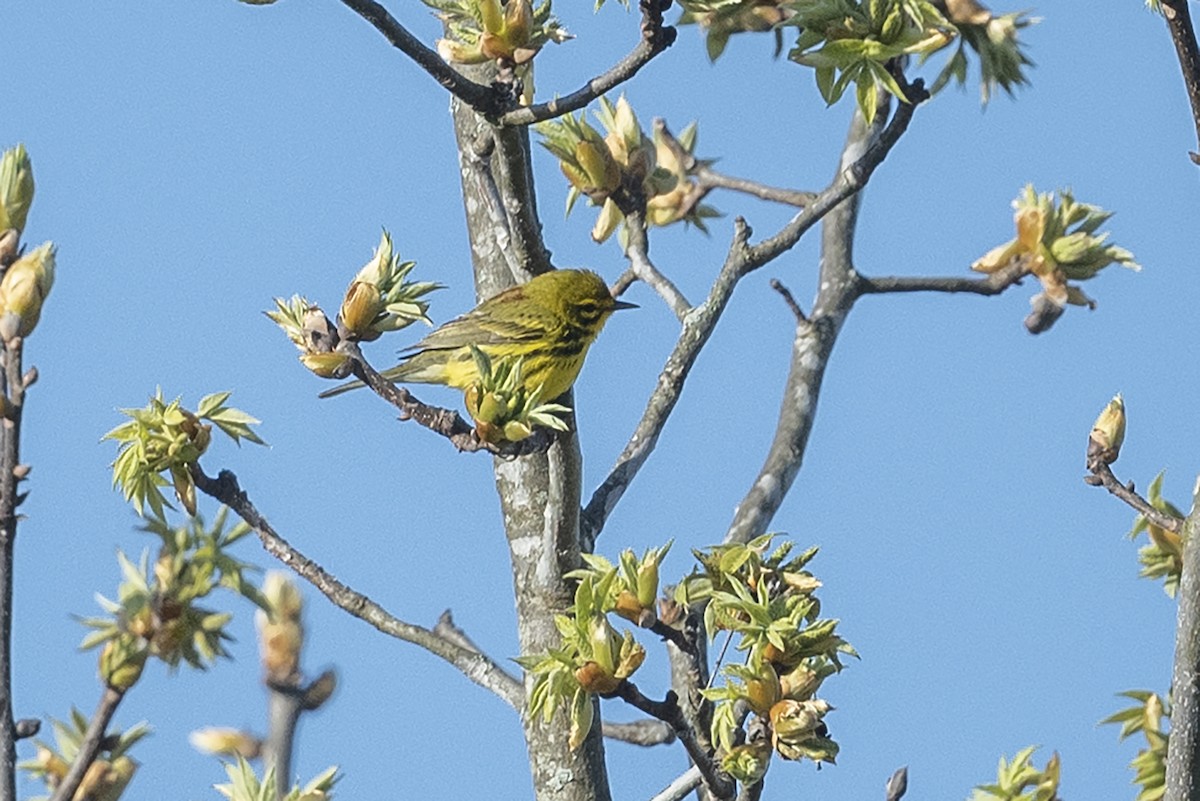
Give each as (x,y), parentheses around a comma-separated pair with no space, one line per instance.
(778,286)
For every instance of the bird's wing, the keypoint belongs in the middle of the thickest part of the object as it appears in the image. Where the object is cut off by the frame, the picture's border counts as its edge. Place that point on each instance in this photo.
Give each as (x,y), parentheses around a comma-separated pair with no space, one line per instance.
(478,327)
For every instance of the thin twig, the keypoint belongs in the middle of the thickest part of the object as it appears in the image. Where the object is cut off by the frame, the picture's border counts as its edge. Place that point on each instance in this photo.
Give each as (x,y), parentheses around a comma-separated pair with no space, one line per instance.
(786,294)
(475,666)
(1102,476)
(446,422)
(1183,34)
(14,384)
(89,748)
(667,710)
(992,284)
(656,37)
(708,178)
(638,253)
(484,99)
(699,323)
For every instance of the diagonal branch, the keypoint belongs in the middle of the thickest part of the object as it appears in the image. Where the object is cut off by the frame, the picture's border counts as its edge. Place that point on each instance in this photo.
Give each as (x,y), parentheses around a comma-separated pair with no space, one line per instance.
(483,98)
(699,323)
(446,422)
(475,666)
(656,37)
(1183,34)
(90,747)
(1102,476)
(683,784)
(717,782)
(638,253)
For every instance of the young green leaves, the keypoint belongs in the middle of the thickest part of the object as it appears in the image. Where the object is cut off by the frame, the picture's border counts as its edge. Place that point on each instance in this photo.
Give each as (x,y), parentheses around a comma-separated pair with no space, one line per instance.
(164,439)
(1057,242)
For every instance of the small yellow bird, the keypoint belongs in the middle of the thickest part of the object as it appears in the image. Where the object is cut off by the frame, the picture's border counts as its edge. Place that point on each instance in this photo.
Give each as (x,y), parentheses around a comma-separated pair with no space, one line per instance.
(547,323)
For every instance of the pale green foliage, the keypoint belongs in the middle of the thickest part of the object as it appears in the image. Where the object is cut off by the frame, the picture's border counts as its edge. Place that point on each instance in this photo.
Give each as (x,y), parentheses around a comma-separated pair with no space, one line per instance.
(156,611)
(164,439)
(244,785)
(380,298)
(1019,780)
(501,406)
(1146,716)
(485,30)
(289,315)
(594,657)
(1058,241)
(1002,59)
(766,600)
(1162,556)
(850,42)
(52,761)
(597,166)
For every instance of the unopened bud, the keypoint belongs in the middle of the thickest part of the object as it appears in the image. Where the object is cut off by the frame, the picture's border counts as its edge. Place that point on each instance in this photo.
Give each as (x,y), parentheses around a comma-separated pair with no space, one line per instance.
(24,289)
(1108,433)
(16,188)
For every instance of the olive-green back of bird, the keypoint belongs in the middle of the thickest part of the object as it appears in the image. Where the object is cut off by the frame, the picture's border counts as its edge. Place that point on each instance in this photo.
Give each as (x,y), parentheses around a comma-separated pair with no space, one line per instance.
(548,323)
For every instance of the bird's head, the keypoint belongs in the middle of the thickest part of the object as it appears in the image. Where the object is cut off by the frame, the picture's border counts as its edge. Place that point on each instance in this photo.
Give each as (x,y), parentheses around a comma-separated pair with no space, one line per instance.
(578,296)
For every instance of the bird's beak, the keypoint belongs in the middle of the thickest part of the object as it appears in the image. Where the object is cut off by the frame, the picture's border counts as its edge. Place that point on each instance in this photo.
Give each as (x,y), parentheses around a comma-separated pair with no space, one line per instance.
(623,304)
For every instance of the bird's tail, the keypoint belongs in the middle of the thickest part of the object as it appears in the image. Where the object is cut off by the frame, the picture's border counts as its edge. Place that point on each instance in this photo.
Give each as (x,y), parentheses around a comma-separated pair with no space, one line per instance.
(342,388)
(405,371)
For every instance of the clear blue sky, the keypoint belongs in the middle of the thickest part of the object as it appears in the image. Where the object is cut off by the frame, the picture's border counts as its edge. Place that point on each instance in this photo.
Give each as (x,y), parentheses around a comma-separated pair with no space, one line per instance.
(195,159)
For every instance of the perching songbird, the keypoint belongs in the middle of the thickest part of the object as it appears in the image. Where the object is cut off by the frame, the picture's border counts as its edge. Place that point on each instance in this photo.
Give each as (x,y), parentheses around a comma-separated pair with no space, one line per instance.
(548,323)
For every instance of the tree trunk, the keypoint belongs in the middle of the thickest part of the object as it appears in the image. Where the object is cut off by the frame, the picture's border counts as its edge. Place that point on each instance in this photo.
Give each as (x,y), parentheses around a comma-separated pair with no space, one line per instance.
(539,494)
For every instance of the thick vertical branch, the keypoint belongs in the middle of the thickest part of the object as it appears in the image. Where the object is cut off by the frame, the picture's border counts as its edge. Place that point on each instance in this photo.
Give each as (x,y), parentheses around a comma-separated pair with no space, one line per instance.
(811,348)
(284,706)
(1183,35)
(539,493)
(1183,752)
(10,459)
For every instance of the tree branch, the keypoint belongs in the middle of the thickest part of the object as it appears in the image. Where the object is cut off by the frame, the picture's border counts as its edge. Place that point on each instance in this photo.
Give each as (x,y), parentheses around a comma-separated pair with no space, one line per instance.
(667,710)
(699,323)
(638,253)
(474,665)
(679,789)
(645,733)
(992,284)
(656,37)
(90,747)
(1183,34)
(1183,754)
(707,179)
(483,98)
(1102,476)
(446,422)
(14,384)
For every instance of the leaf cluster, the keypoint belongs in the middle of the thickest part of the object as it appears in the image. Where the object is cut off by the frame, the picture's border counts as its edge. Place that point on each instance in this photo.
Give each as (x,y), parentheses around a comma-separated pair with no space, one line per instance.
(1147,716)
(1018,780)
(107,776)
(1058,242)
(244,785)
(501,405)
(1162,556)
(594,658)
(156,612)
(164,439)
(765,598)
